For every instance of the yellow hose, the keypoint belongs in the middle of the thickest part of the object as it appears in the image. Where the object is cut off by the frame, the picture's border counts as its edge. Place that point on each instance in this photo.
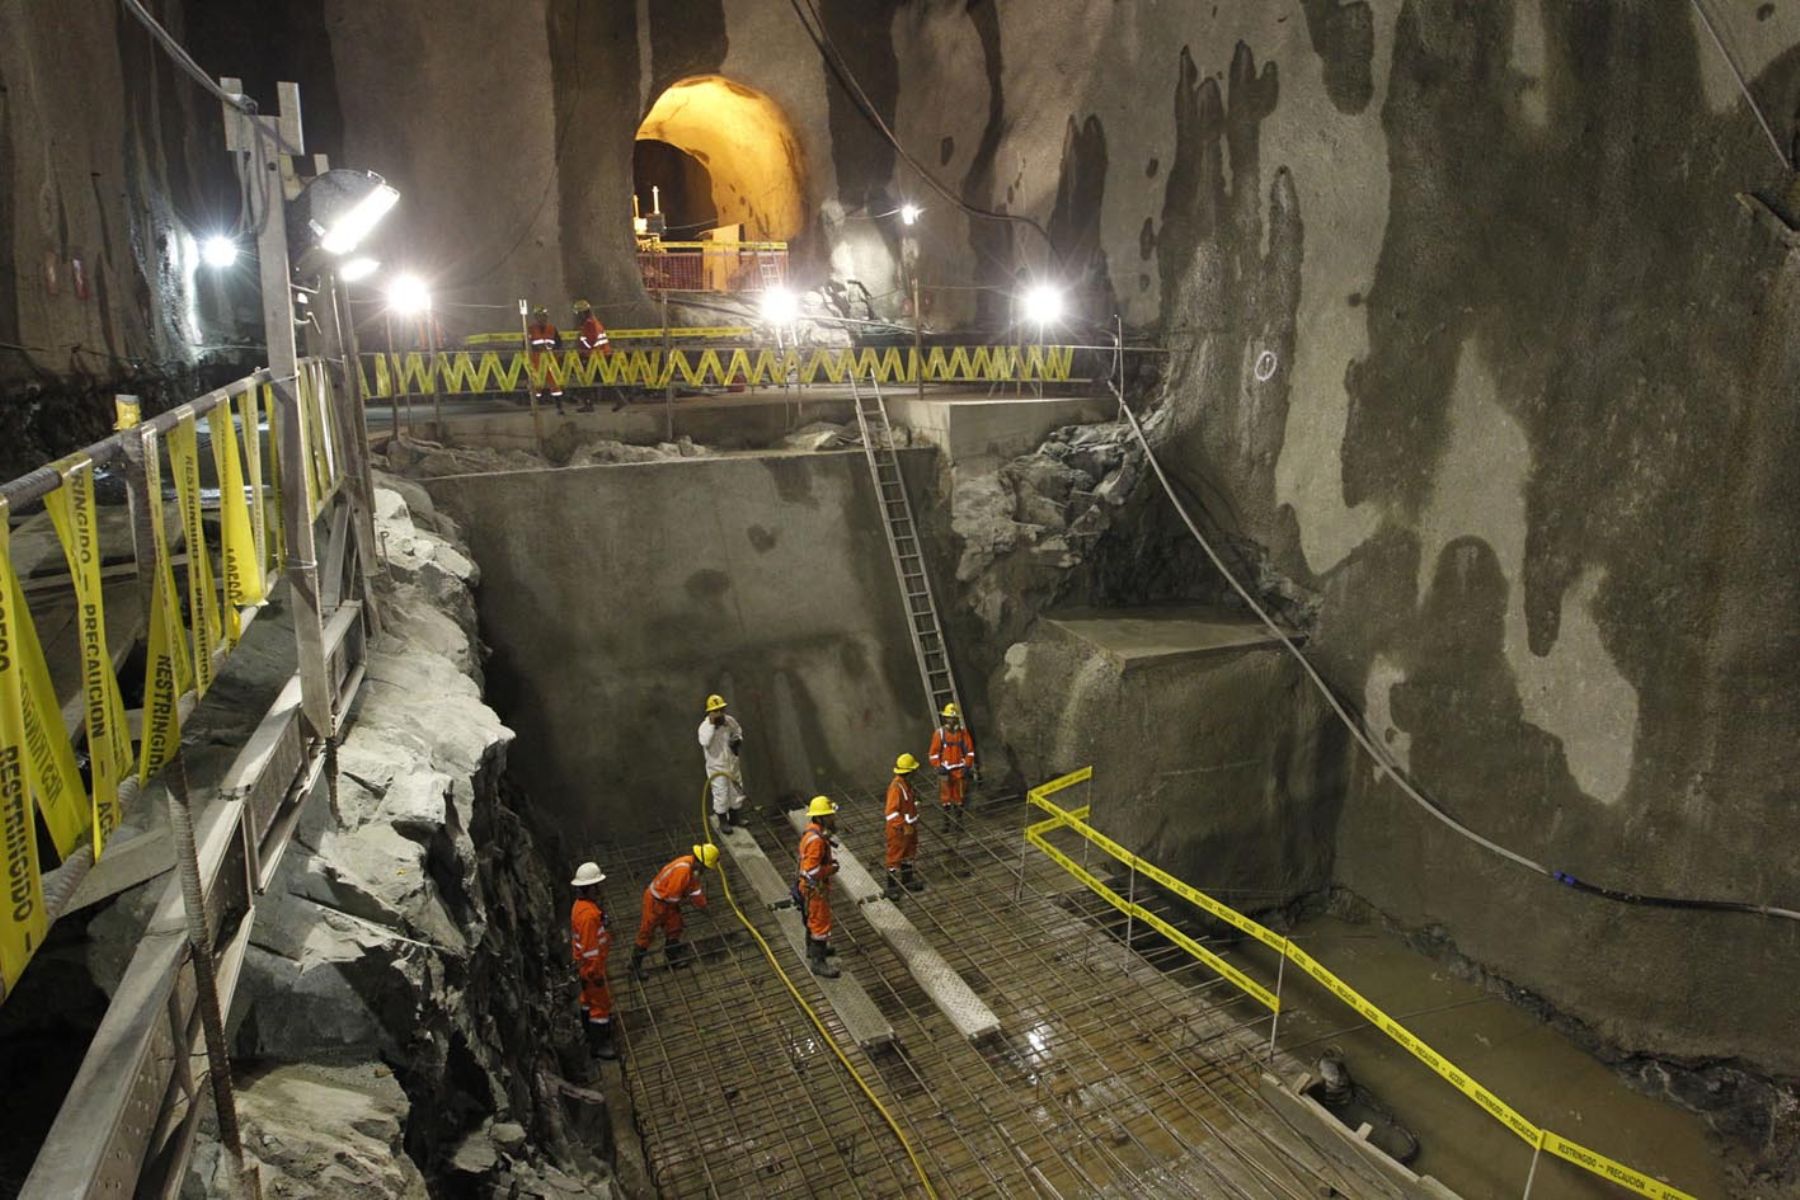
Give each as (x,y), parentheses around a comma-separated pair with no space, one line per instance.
(905,1142)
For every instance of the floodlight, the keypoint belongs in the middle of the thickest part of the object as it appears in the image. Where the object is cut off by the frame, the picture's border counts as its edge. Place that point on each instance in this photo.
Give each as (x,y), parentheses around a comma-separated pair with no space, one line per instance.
(1042,304)
(780,306)
(909,213)
(218,252)
(408,296)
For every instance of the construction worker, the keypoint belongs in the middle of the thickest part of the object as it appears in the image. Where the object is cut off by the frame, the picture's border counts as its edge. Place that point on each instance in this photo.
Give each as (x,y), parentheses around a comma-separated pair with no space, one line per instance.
(544,342)
(817,865)
(902,830)
(722,744)
(676,884)
(589,944)
(592,336)
(953,754)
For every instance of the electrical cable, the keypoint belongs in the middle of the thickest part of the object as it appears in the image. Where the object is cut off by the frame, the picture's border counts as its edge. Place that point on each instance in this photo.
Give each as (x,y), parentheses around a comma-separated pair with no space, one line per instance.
(841,70)
(178,53)
(1382,761)
(1743,84)
(892,1123)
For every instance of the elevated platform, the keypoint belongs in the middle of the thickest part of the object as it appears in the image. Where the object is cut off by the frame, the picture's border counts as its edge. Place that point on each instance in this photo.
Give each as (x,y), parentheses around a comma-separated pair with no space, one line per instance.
(862,1019)
(948,990)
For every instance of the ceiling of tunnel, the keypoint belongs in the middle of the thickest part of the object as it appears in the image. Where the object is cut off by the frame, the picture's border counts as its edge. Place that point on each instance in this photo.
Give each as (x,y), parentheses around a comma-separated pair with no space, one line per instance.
(746,142)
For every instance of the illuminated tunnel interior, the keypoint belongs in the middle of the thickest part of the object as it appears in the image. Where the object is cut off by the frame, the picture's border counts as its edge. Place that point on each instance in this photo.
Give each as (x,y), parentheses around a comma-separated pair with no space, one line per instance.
(709,132)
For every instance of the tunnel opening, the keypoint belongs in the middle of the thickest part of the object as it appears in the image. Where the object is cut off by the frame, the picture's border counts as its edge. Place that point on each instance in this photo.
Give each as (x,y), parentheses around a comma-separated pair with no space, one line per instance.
(724,156)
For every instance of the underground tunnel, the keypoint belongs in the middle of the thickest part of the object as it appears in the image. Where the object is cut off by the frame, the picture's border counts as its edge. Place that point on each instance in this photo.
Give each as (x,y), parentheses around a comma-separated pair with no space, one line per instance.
(1127,600)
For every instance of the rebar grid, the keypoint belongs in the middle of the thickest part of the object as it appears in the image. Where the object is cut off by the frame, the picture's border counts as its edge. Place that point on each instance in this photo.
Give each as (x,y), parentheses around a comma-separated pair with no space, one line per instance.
(1115,1073)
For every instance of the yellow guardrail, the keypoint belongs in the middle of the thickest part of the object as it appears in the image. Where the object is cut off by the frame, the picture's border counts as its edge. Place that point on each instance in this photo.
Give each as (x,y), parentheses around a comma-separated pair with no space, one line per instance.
(188,632)
(493,371)
(1075,820)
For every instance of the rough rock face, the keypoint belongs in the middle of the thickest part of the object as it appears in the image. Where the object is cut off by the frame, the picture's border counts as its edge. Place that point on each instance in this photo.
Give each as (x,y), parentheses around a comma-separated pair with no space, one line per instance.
(415,924)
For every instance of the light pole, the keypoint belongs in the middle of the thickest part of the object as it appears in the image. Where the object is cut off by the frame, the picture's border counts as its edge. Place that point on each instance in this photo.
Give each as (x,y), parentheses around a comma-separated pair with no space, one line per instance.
(410,298)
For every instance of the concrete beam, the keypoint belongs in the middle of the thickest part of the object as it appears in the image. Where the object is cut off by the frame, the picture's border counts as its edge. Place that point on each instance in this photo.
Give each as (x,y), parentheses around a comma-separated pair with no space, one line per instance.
(948,990)
(852,1003)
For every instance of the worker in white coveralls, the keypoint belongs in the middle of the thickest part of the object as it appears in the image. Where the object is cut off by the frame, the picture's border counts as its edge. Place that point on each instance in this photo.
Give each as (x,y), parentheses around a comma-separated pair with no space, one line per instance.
(722,741)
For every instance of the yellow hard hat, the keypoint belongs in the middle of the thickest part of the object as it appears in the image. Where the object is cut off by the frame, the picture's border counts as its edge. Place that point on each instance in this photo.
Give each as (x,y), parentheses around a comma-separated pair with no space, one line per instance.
(714,702)
(707,855)
(581,304)
(906,764)
(821,806)
(949,710)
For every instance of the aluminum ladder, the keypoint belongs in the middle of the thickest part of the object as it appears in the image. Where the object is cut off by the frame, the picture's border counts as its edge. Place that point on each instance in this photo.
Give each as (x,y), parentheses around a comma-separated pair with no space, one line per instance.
(929,647)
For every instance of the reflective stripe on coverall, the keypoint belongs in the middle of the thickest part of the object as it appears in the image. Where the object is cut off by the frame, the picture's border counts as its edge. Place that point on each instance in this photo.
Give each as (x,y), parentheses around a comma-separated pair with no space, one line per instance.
(678,881)
(952,751)
(902,823)
(817,866)
(589,944)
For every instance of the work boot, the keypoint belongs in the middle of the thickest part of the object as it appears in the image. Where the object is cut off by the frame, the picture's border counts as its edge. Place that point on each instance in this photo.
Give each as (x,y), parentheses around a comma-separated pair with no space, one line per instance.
(820,965)
(957,809)
(637,964)
(909,879)
(600,1041)
(945,809)
(893,891)
(676,953)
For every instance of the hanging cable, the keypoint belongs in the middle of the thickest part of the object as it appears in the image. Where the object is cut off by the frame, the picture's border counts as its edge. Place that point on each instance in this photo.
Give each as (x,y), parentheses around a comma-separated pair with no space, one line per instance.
(841,70)
(1743,84)
(178,53)
(1382,761)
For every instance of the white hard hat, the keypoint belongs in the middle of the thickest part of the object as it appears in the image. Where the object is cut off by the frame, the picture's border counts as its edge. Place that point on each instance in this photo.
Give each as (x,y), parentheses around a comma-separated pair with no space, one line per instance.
(587,873)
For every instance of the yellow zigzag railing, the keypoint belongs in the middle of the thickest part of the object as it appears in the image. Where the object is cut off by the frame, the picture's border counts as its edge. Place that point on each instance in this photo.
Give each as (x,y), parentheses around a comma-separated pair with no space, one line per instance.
(1075,820)
(190,629)
(465,371)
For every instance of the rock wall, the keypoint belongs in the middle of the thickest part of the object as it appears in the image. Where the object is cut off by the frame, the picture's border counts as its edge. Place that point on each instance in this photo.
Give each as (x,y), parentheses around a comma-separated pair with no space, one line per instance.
(417,925)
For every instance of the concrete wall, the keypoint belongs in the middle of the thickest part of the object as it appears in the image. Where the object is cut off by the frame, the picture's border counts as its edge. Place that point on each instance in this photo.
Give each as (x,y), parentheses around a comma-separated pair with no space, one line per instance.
(616,597)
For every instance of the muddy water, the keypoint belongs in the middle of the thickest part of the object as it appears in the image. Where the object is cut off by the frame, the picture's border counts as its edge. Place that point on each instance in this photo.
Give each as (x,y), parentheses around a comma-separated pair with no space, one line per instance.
(1526,1062)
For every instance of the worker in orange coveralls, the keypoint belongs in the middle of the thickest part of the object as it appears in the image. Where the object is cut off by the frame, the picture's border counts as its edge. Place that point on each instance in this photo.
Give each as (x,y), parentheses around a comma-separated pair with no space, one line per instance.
(953,754)
(544,342)
(591,335)
(902,830)
(817,865)
(589,944)
(676,884)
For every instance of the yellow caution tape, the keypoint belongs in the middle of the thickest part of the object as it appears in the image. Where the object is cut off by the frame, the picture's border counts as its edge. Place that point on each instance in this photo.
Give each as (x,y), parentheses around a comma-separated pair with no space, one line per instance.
(22,919)
(259,515)
(203,598)
(73,513)
(278,547)
(168,672)
(237,542)
(465,372)
(1495,1107)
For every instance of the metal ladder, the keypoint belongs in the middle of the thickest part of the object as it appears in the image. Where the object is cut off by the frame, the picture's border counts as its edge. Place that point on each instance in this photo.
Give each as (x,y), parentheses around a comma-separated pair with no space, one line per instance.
(929,647)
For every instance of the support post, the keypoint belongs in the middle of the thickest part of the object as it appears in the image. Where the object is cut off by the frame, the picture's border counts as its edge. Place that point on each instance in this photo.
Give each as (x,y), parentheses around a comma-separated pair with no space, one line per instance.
(1537,1152)
(387,324)
(437,390)
(296,517)
(359,472)
(1275,1017)
(668,374)
(537,418)
(1130,899)
(918,339)
(1019,891)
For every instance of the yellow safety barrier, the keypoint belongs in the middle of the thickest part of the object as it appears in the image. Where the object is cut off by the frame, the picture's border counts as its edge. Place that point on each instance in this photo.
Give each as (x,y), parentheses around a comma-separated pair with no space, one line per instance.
(38,768)
(1075,820)
(490,371)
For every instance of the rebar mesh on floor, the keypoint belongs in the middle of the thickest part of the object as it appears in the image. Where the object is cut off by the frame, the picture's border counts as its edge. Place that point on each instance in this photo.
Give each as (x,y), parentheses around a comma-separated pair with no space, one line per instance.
(1112,1076)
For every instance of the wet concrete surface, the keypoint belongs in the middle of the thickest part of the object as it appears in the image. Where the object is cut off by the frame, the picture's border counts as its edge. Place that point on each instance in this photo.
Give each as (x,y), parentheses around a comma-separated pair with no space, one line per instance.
(1525,1061)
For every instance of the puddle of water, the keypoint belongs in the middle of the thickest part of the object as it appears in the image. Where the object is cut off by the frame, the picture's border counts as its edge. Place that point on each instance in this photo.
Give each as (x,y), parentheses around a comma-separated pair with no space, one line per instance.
(1523,1060)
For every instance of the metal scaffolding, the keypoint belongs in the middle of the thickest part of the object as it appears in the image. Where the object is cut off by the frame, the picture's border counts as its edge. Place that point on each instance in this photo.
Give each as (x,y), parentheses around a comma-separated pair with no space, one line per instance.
(1116,1072)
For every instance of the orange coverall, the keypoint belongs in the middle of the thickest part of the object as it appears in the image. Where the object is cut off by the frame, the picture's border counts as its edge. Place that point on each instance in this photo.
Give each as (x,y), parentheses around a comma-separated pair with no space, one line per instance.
(589,944)
(953,754)
(545,342)
(902,823)
(678,881)
(817,866)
